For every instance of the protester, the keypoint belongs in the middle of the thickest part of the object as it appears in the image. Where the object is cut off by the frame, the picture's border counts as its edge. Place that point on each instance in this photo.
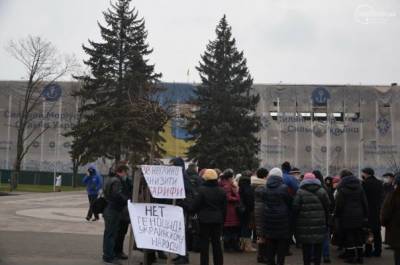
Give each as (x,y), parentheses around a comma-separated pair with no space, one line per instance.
(127,189)
(116,201)
(373,189)
(193,223)
(258,184)
(327,241)
(247,201)
(390,217)
(289,180)
(295,172)
(277,207)
(293,185)
(93,184)
(232,221)
(352,212)
(58,183)
(311,211)
(388,184)
(189,197)
(337,238)
(210,204)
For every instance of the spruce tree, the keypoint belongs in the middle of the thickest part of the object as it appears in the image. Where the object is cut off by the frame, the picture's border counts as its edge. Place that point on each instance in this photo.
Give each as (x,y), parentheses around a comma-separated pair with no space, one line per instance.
(224,125)
(121,116)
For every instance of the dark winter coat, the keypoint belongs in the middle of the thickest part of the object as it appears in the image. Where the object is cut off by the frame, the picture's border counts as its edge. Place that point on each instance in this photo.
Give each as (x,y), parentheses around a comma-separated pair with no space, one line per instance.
(277,207)
(351,208)
(210,203)
(373,189)
(390,217)
(258,186)
(114,194)
(233,200)
(311,210)
(387,189)
(246,196)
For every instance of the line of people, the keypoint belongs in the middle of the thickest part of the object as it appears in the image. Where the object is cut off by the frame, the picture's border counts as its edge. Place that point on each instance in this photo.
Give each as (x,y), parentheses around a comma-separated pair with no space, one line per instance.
(281,206)
(274,209)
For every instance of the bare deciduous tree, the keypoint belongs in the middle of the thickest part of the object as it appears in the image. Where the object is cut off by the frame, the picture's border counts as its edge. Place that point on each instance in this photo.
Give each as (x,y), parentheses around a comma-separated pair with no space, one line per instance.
(43,66)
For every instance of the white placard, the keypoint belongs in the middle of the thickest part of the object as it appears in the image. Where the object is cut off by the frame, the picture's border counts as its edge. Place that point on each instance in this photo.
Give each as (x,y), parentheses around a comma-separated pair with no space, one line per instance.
(165,182)
(158,227)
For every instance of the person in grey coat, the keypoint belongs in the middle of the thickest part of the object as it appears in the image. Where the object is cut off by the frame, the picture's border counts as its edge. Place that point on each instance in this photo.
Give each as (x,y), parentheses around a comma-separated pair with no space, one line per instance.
(311,211)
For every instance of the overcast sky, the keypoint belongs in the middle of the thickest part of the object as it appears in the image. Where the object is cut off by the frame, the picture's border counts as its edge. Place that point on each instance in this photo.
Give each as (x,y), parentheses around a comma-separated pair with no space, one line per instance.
(302,41)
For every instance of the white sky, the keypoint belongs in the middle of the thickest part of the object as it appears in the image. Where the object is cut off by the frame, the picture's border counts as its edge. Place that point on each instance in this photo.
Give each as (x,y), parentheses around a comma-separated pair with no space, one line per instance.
(302,41)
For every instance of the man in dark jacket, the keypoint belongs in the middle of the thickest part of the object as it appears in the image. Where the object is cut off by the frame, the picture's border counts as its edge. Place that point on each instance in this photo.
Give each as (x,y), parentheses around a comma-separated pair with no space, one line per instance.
(127,188)
(193,235)
(210,204)
(116,201)
(277,207)
(374,191)
(351,211)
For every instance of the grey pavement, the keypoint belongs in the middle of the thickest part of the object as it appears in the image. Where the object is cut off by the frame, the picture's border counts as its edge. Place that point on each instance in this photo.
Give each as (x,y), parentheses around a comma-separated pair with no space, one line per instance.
(50,229)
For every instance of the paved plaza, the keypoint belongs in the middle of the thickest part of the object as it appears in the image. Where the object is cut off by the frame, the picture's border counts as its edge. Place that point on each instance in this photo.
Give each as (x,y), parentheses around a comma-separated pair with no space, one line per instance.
(50,229)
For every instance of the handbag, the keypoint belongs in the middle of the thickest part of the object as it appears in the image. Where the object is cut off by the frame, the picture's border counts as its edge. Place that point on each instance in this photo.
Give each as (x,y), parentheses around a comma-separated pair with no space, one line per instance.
(99,205)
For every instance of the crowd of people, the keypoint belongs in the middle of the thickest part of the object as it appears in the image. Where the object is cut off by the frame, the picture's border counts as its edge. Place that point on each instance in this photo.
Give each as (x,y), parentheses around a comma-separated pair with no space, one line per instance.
(270,212)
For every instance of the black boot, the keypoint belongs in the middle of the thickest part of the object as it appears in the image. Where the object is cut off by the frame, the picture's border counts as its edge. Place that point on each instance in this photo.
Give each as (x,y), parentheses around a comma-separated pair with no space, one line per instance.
(351,258)
(261,253)
(360,259)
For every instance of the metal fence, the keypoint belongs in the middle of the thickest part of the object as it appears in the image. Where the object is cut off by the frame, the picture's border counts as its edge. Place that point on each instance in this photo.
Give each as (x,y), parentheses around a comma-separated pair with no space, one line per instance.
(40,178)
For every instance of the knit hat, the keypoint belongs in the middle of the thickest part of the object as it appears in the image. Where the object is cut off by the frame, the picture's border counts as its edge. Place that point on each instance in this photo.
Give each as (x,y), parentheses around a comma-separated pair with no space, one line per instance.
(210,174)
(275,172)
(369,171)
(309,176)
(336,179)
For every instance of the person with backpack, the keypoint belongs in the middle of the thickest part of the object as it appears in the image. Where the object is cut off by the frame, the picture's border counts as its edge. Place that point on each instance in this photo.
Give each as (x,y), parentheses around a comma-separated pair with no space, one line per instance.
(116,202)
(93,185)
(311,212)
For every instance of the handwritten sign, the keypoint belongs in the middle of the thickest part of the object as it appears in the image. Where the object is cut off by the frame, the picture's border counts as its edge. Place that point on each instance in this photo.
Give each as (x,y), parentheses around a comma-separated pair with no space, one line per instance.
(165,182)
(158,227)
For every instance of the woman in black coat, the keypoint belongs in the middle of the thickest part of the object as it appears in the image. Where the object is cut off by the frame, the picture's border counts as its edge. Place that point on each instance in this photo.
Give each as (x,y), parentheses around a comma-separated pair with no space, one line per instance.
(311,211)
(352,213)
(210,205)
(277,207)
(247,202)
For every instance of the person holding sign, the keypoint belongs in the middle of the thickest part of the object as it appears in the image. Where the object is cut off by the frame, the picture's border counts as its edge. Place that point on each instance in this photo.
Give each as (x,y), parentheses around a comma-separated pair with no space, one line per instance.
(116,202)
(210,204)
